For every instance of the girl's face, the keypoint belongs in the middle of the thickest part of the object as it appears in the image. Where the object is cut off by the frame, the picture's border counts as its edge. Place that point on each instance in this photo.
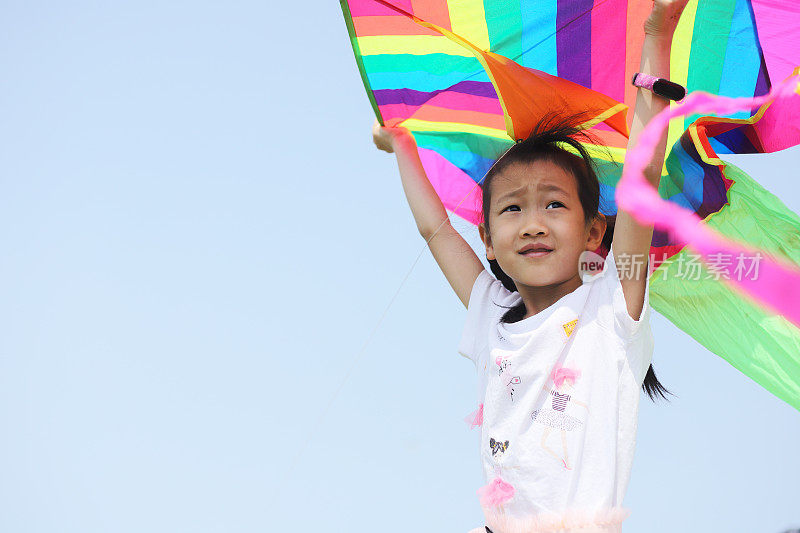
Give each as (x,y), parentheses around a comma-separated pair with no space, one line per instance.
(537,204)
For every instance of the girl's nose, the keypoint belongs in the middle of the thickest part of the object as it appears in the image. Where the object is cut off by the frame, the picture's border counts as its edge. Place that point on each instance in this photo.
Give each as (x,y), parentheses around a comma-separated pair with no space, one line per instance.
(533,225)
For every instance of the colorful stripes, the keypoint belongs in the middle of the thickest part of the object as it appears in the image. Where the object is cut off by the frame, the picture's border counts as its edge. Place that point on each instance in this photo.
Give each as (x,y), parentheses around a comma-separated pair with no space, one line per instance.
(441,69)
(366,8)
(467,20)
(538,37)
(778,21)
(742,64)
(422,77)
(607,31)
(573,41)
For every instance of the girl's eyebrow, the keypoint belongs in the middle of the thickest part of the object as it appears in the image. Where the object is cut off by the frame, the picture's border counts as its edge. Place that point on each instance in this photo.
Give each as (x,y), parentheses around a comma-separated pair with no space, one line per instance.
(552,187)
(510,194)
(548,187)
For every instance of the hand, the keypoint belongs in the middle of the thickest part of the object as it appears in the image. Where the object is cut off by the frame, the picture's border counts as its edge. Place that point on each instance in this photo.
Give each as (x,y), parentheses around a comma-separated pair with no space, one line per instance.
(664,17)
(384,137)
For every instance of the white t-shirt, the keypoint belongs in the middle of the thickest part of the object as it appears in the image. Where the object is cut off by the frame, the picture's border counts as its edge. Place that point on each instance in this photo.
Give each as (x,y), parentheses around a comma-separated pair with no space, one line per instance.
(527,419)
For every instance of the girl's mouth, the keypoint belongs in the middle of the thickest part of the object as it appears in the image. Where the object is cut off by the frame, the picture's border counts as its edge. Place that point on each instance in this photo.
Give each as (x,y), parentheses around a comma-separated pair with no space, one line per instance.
(538,253)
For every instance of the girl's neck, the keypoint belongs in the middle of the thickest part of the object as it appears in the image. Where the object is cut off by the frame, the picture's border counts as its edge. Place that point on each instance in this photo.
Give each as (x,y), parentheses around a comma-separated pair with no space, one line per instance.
(537,299)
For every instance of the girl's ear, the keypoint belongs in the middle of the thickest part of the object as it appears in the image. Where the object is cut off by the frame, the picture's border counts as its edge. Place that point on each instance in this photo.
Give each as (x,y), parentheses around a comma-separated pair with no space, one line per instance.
(487,241)
(596,231)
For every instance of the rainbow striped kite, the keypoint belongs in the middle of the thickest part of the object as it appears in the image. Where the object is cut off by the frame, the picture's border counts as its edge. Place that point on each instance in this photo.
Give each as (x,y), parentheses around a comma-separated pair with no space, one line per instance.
(467,76)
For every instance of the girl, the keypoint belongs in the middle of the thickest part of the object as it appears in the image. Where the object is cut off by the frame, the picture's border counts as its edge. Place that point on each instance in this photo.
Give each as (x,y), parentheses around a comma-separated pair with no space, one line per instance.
(539,323)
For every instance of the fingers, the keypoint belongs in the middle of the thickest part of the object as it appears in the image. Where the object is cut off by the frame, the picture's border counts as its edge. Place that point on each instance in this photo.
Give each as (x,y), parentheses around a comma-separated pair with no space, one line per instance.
(381,137)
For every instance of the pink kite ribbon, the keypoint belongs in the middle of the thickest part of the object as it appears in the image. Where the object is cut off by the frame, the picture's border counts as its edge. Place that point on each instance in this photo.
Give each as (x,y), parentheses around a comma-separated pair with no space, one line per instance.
(777,286)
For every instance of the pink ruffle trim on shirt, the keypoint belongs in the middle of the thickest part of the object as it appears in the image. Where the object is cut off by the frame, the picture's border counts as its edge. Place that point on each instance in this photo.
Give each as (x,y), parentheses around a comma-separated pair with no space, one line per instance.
(496,493)
(475,418)
(576,521)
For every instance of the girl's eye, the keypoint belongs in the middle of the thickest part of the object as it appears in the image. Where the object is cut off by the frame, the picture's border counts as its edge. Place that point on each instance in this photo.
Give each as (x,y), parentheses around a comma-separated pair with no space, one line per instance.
(517,207)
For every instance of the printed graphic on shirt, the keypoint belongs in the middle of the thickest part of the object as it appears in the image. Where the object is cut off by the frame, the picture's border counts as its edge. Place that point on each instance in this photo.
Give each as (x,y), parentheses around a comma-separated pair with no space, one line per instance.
(559,400)
(555,416)
(511,382)
(569,327)
(502,363)
(498,448)
(506,377)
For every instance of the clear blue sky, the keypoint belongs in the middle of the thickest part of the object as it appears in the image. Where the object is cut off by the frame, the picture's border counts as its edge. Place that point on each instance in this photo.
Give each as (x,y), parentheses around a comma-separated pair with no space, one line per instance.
(198,237)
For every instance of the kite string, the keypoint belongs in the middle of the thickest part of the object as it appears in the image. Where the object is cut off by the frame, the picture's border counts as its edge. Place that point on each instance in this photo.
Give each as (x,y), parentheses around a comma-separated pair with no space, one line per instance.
(337,391)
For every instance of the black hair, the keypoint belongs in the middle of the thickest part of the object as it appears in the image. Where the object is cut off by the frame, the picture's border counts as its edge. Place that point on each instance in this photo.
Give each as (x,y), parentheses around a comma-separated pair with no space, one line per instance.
(547,142)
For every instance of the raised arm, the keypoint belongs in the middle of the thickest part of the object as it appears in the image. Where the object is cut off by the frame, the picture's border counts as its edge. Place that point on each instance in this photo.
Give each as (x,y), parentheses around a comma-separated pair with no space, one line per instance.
(632,239)
(455,257)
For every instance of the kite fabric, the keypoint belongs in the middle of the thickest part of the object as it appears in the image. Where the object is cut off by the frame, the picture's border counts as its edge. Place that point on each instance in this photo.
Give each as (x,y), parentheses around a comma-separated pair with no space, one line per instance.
(468,77)
(777,286)
(751,216)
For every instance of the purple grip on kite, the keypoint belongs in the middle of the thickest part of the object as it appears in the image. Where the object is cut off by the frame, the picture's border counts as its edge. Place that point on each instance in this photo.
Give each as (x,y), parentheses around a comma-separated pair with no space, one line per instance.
(645,81)
(660,86)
